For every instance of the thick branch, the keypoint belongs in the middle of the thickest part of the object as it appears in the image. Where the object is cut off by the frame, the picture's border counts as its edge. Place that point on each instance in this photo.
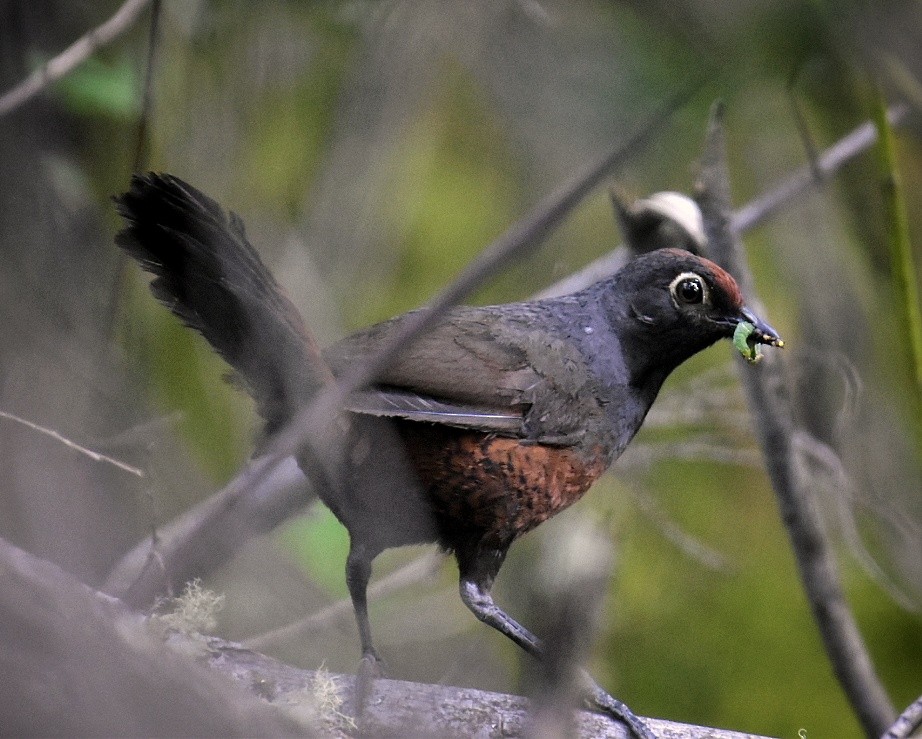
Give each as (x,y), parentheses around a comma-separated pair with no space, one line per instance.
(78,663)
(398,708)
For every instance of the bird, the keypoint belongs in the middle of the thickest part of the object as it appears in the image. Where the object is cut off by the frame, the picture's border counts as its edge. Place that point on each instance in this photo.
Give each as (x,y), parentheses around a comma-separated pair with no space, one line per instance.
(493,421)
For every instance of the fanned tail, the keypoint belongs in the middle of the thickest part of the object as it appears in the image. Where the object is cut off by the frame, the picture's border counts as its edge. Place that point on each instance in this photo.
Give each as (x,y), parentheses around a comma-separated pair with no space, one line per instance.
(207,273)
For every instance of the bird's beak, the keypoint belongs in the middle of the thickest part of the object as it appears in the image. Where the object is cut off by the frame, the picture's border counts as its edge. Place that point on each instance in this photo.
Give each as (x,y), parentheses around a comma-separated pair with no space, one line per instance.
(763,333)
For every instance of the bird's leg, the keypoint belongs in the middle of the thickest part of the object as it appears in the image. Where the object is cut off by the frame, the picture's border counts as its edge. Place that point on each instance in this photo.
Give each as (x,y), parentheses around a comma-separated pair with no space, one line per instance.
(477,577)
(358,572)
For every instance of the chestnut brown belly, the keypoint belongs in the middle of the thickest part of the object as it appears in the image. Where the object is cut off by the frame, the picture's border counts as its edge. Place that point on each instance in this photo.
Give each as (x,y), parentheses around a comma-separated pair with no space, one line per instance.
(494,489)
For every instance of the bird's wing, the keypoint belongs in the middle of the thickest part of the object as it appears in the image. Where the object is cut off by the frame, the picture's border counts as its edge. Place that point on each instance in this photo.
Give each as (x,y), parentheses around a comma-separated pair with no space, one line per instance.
(416,407)
(459,374)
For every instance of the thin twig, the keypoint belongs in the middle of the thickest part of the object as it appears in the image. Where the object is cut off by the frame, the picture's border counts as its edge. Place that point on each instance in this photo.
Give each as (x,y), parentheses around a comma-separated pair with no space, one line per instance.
(95,456)
(147,96)
(73,56)
(804,179)
(833,475)
(690,546)
(770,403)
(415,571)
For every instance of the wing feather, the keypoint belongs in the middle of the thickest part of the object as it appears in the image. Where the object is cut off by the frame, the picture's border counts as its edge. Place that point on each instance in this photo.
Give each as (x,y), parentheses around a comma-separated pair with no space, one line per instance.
(415,407)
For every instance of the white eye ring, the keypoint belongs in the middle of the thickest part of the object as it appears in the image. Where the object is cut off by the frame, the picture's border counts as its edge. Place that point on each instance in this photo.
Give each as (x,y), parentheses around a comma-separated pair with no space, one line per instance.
(689,289)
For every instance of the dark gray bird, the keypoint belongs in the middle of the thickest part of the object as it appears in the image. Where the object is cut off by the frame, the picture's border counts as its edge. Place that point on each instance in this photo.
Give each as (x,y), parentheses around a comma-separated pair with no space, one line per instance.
(505,414)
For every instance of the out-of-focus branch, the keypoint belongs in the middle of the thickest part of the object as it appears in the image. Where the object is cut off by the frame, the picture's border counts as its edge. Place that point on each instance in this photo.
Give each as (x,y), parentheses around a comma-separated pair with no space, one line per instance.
(806,179)
(209,534)
(522,237)
(909,720)
(809,177)
(770,404)
(73,56)
(76,663)
(417,570)
(574,571)
(147,94)
(226,520)
(902,263)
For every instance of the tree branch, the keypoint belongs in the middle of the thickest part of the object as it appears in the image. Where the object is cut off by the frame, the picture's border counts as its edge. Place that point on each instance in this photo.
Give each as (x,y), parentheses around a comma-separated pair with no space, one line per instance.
(221,520)
(399,708)
(811,176)
(77,662)
(770,404)
(73,56)
(907,723)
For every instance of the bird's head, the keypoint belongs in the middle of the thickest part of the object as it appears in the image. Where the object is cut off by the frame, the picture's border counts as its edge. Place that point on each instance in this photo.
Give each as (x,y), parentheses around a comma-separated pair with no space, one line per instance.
(673,304)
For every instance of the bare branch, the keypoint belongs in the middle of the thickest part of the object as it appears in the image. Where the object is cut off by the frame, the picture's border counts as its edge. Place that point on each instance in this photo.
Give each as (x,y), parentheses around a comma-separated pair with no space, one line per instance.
(398,708)
(73,56)
(147,96)
(523,236)
(770,403)
(809,177)
(95,456)
(209,534)
(832,474)
(80,663)
(226,519)
(909,720)
(417,570)
(690,546)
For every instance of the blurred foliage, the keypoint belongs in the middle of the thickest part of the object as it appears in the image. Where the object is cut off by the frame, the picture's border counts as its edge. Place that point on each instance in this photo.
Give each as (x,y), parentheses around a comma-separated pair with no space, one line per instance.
(374,148)
(99,88)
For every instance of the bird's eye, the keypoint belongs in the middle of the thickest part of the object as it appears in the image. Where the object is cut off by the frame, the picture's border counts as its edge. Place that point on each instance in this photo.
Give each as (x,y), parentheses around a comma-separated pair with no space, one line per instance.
(688,289)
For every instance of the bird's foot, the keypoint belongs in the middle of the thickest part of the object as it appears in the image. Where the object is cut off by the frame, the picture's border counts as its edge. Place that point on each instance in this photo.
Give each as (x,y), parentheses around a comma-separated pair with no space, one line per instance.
(599,700)
(372,666)
(370,669)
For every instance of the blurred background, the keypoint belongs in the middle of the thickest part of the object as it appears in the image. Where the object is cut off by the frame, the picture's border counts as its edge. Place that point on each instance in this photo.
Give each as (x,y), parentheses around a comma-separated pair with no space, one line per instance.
(373,148)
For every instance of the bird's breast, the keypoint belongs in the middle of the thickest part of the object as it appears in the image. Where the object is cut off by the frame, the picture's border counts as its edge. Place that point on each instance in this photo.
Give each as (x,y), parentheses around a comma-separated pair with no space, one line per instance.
(495,488)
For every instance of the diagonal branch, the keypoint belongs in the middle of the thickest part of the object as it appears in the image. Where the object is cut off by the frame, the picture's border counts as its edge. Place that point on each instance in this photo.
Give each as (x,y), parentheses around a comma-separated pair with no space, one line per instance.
(73,56)
(521,238)
(314,425)
(909,720)
(811,176)
(227,519)
(770,404)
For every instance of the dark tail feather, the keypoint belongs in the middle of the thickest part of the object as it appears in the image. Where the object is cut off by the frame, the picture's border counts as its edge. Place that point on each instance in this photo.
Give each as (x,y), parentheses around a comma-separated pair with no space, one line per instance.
(209,275)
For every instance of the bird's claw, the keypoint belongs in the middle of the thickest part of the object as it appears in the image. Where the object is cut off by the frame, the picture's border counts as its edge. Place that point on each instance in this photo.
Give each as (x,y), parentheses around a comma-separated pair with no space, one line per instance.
(599,700)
